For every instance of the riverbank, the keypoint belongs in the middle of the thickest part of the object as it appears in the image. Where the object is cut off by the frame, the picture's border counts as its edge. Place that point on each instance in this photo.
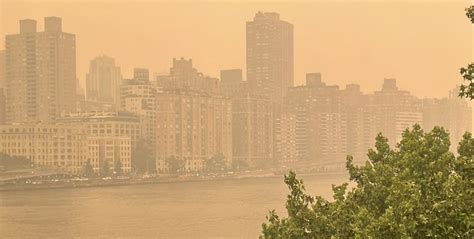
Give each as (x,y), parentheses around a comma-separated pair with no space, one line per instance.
(123,181)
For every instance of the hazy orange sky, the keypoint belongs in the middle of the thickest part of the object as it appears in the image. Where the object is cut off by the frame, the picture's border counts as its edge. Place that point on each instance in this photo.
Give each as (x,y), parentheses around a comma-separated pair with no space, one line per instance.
(421,43)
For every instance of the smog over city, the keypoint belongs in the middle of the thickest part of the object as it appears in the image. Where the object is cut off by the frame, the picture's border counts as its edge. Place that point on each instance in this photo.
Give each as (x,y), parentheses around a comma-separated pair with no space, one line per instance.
(236,119)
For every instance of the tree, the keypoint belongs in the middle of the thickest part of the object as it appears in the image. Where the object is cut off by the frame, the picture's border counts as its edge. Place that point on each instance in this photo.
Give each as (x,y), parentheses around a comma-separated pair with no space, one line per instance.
(216,163)
(175,165)
(239,164)
(142,158)
(417,190)
(118,167)
(14,162)
(105,168)
(87,169)
(467,90)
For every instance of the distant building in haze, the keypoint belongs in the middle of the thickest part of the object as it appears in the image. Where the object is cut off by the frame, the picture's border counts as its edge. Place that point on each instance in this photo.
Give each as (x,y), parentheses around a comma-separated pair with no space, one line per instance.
(231,82)
(321,121)
(193,127)
(65,147)
(395,110)
(141,74)
(452,113)
(138,96)
(106,124)
(361,128)
(2,69)
(193,120)
(184,76)
(2,107)
(103,80)
(40,72)
(252,131)
(269,55)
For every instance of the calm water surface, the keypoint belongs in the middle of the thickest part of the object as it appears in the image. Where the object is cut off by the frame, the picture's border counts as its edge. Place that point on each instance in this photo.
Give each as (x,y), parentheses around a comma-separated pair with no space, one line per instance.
(213,209)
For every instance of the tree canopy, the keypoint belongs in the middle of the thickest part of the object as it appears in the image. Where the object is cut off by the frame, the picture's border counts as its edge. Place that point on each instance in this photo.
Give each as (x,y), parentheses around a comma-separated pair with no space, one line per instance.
(175,165)
(87,169)
(467,89)
(419,189)
(142,158)
(216,163)
(105,168)
(14,162)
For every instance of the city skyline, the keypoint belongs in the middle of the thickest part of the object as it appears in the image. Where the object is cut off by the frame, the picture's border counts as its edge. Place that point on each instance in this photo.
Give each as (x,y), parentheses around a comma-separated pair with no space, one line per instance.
(181,119)
(186,114)
(377,53)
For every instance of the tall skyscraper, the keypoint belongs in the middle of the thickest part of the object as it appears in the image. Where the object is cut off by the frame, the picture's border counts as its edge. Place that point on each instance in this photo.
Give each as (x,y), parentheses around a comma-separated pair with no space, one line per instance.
(270,55)
(40,72)
(103,80)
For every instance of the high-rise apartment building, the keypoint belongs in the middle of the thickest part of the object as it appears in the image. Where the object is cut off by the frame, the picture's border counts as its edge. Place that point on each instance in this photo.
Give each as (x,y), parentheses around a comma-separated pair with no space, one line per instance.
(395,110)
(285,136)
(40,72)
(103,80)
(138,96)
(193,120)
(321,122)
(252,131)
(192,126)
(361,129)
(269,55)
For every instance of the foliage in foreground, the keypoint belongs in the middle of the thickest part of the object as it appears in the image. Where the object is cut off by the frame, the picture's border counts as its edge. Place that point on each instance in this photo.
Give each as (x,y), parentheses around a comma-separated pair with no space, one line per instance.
(467,89)
(418,190)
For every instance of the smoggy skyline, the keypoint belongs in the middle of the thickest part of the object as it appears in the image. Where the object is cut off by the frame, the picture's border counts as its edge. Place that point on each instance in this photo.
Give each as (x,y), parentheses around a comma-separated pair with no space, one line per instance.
(421,44)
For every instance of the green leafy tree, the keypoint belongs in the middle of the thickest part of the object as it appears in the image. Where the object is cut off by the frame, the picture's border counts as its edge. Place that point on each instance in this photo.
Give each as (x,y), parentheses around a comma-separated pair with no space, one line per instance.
(87,169)
(105,168)
(417,190)
(142,158)
(216,163)
(467,89)
(175,165)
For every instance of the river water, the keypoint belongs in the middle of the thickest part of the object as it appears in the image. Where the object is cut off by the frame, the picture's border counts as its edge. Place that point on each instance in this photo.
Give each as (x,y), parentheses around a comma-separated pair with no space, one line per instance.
(210,209)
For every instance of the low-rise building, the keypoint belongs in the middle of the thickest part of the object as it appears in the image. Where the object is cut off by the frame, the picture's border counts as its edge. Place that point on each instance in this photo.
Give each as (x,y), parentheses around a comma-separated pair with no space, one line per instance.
(64,147)
(106,124)
(110,150)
